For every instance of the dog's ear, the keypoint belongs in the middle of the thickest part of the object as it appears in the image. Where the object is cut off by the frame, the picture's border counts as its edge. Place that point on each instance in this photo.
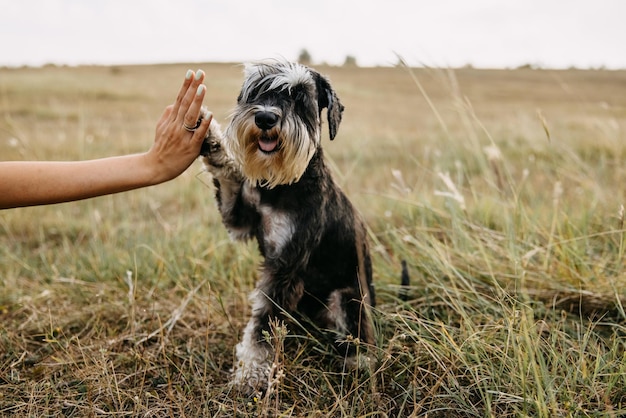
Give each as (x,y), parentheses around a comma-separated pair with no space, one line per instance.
(327,98)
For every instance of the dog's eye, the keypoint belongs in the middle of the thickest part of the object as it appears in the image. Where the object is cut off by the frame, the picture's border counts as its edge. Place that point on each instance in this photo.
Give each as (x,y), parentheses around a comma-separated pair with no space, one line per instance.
(297,93)
(299,96)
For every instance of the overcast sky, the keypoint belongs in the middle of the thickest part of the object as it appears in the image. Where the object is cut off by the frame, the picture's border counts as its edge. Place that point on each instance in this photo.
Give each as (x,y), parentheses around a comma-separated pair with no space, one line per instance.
(483,33)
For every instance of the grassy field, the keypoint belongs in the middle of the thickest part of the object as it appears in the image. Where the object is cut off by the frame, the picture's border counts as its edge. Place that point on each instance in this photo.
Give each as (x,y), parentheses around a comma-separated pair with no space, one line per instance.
(503,191)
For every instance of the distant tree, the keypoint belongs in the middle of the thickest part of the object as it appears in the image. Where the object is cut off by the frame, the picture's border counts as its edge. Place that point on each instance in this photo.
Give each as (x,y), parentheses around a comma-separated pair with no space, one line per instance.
(350,61)
(304,57)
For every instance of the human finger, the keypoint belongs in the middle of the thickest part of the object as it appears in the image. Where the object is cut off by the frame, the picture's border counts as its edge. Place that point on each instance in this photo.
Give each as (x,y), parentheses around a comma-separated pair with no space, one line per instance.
(203,128)
(165,115)
(192,116)
(188,97)
(189,78)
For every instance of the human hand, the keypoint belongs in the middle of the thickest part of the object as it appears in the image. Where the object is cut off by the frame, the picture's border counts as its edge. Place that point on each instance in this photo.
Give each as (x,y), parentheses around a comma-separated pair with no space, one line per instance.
(176,147)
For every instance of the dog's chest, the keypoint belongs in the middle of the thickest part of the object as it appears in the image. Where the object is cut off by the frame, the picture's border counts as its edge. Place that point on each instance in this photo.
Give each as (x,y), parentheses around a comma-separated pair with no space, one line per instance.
(277,225)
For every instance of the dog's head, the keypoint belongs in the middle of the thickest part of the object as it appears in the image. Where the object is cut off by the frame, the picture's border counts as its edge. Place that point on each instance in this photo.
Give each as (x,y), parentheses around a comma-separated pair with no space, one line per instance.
(276,127)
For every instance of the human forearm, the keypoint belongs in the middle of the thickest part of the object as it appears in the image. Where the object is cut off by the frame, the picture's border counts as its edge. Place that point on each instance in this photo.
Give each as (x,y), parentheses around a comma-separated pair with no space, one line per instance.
(27,183)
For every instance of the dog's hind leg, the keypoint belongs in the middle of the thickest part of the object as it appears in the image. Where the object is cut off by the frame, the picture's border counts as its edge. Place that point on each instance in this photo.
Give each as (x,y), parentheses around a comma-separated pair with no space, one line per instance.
(350,318)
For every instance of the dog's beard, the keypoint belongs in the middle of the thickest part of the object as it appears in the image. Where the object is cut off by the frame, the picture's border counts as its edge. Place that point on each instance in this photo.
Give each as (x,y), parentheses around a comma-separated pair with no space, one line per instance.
(284,164)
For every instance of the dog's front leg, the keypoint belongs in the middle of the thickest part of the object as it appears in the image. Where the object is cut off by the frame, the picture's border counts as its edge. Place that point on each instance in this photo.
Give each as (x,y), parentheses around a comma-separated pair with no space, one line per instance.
(255,353)
(238,216)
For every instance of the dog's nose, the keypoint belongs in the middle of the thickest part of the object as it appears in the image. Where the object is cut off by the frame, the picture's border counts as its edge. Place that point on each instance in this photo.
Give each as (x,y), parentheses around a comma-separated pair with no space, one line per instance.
(265,120)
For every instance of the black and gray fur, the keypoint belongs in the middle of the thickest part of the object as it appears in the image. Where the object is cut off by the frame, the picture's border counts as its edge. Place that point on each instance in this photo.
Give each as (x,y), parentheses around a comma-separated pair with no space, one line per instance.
(313,241)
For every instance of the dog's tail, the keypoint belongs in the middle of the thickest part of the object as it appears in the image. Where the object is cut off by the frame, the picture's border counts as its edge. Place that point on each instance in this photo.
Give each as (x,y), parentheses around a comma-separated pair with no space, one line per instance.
(405,282)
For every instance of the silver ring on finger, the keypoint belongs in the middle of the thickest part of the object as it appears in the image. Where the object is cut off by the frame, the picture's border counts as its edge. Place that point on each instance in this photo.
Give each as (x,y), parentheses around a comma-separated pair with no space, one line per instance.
(192,128)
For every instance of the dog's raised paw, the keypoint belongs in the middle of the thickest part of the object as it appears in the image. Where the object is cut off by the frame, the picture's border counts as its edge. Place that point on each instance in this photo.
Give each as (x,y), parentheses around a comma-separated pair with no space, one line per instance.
(215,156)
(213,141)
(210,147)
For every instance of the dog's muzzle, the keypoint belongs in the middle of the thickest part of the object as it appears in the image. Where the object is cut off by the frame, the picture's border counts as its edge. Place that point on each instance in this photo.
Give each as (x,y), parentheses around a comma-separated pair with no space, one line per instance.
(265,121)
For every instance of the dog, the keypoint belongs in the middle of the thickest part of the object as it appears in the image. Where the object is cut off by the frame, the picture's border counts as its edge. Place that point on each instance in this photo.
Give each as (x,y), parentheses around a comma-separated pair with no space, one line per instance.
(272,184)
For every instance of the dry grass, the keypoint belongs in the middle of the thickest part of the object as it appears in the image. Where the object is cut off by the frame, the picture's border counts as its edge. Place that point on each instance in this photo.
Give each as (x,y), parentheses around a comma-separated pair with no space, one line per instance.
(502,190)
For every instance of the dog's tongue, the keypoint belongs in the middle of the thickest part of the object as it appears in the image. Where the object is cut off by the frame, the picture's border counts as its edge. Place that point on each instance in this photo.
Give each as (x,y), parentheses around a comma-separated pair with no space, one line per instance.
(267,145)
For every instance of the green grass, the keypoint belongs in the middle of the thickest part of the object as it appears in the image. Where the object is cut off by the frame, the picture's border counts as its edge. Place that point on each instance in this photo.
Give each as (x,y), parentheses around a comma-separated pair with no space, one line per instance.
(501,189)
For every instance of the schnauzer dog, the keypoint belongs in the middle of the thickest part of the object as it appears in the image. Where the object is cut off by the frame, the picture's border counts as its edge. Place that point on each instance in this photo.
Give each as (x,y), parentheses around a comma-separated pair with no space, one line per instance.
(272,183)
